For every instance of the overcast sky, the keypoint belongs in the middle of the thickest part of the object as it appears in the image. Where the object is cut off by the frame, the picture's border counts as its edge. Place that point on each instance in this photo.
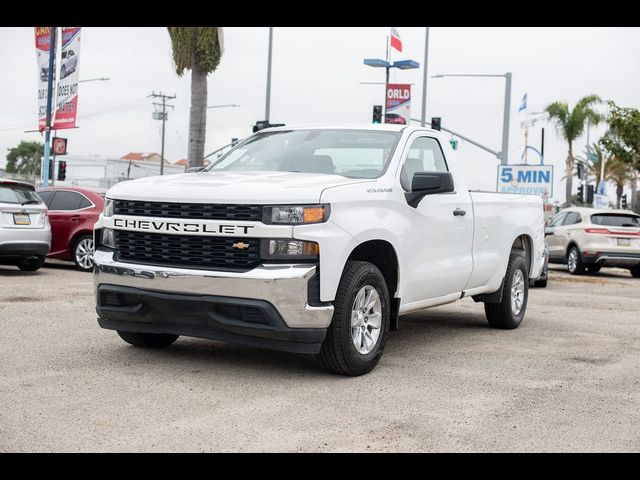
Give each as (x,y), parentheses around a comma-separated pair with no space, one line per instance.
(316,79)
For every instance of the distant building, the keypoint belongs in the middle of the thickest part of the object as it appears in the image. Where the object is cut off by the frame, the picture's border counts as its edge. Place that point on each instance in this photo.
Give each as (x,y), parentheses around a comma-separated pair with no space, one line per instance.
(183,162)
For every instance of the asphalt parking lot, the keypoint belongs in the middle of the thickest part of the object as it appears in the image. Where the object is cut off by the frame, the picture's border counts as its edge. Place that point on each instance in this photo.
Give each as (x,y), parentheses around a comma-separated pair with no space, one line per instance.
(567,380)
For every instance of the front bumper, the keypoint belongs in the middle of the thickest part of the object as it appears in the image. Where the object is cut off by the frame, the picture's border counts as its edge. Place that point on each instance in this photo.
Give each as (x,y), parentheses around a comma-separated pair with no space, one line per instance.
(210,304)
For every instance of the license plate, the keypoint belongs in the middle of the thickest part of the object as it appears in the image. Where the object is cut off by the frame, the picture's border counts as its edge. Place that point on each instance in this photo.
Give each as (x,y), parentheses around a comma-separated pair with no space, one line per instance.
(21,219)
(624,242)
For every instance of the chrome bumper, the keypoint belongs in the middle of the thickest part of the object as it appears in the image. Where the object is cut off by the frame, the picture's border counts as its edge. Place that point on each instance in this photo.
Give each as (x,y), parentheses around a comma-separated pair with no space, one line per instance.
(284,286)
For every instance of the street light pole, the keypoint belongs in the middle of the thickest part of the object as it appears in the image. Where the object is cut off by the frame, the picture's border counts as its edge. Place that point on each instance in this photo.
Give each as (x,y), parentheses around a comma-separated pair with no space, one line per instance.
(268,102)
(423,118)
(47,124)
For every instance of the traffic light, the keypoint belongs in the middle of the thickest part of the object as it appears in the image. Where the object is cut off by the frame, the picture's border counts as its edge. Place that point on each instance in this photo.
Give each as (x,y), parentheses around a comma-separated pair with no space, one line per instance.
(50,169)
(454,144)
(62,170)
(623,201)
(435,123)
(580,171)
(590,189)
(580,193)
(377,114)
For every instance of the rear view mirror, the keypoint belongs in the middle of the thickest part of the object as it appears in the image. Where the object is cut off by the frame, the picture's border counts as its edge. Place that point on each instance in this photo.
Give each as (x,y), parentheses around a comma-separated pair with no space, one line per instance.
(428,183)
(549,231)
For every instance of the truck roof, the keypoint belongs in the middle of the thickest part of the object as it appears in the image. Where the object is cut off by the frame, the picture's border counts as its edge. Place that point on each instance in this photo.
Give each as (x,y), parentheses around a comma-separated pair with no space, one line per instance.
(389,127)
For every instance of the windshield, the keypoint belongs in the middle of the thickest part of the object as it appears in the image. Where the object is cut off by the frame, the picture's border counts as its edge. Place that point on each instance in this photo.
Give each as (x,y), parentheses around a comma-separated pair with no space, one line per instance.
(10,193)
(613,220)
(350,153)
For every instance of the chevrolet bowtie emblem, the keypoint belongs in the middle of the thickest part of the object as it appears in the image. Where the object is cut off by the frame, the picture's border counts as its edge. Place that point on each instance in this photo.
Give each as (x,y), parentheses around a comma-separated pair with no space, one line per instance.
(240,245)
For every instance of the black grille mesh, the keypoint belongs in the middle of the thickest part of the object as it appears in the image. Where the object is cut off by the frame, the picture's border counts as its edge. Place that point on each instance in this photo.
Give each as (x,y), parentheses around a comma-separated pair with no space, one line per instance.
(184,251)
(204,211)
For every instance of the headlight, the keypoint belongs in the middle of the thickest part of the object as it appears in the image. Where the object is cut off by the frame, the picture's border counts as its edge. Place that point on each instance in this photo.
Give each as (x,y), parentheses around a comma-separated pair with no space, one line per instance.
(295,214)
(108,208)
(289,249)
(108,238)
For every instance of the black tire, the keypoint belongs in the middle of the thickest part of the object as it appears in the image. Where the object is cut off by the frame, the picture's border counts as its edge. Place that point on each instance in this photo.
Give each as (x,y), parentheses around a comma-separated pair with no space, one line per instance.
(74,253)
(635,271)
(593,268)
(501,315)
(579,265)
(338,353)
(31,264)
(148,340)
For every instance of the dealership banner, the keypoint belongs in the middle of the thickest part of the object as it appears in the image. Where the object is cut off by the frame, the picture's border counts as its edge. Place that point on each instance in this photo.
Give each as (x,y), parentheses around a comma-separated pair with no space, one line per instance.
(67,89)
(398,103)
(43,36)
(527,179)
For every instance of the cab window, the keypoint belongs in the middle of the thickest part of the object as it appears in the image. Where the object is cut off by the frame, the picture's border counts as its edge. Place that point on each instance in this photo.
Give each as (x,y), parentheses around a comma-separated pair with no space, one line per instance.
(425,155)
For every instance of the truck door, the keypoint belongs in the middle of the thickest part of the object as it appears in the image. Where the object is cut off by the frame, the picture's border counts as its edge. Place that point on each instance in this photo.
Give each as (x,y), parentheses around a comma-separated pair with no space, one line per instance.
(438,254)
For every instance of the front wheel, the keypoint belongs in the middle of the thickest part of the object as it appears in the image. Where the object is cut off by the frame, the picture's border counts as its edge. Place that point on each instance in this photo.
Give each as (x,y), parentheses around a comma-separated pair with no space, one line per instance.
(508,314)
(83,253)
(31,264)
(148,340)
(360,324)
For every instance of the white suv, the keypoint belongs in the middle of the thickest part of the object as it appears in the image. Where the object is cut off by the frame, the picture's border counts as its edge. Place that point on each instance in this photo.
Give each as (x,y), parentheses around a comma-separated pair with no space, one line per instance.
(25,232)
(589,238)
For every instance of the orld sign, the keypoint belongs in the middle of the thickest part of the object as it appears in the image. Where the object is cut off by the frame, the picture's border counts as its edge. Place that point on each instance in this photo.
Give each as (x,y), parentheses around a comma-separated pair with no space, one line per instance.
(526,179)
(59,146)
(398,103)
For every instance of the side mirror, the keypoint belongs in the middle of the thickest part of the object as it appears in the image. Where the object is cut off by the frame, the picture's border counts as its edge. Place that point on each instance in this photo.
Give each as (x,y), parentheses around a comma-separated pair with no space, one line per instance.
(428,183)
(549,231)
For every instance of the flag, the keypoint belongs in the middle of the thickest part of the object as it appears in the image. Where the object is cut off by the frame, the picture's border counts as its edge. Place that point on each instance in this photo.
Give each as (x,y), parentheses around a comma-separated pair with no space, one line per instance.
(395,39)
(523,105)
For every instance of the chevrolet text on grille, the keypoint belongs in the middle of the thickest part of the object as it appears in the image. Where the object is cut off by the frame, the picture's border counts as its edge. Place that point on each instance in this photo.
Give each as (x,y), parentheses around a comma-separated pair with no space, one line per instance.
(190,227)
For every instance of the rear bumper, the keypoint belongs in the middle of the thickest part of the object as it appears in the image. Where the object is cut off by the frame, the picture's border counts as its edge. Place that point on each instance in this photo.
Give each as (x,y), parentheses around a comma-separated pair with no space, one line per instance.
(267,306)
(18,242)
(612,259)
(23,249)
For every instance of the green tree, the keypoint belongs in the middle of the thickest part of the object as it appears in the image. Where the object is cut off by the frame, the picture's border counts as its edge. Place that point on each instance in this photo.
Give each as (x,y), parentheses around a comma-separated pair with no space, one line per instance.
(619,172)
(197,49)
(593,164)
(570,125)
(25,158)
(622,138)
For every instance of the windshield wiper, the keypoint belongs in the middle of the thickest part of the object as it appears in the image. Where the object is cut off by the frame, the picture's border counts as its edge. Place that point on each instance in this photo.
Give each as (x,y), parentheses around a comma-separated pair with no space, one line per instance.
(28,202)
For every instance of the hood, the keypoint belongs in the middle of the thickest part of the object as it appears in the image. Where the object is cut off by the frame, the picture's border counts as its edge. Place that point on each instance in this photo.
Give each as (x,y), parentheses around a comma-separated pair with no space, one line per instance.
(231,187)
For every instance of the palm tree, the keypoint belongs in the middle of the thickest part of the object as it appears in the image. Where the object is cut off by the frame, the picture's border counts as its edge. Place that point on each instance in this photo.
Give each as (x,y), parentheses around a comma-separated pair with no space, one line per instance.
(620,172)
(197,49)
(593,164)
(570,125)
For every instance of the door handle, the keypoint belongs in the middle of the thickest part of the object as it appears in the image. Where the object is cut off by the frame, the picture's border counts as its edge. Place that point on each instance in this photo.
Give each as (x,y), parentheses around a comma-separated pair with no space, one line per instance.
(459,213)
(75,218)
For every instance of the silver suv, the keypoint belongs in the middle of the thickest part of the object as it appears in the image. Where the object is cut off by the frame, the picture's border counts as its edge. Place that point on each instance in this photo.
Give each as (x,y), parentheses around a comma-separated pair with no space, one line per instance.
(589,238)
(25,232)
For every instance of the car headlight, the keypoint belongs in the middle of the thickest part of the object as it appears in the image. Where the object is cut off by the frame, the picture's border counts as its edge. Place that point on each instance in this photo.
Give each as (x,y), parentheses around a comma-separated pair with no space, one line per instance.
(108,208)
(295,214)
(289,249)
(108,238)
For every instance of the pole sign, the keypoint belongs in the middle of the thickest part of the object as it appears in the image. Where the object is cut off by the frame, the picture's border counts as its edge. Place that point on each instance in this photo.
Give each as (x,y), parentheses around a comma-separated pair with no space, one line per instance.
(600,201)
(526,179)
(398,103)
(59,146)
(43,36)
(67,91)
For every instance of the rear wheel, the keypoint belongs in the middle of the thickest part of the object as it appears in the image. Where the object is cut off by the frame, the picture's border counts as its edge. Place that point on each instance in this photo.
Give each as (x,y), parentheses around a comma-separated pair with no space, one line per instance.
(358,331)
(508,314)
(83,253)
(31,264)
(574,262)
(148,340)
(635,271)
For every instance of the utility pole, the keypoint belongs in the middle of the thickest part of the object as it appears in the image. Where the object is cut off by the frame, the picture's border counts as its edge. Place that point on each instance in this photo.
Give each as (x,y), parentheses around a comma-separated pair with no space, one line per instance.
(164,116)
(268,102)
(47,125)
(423,119)
(504,159)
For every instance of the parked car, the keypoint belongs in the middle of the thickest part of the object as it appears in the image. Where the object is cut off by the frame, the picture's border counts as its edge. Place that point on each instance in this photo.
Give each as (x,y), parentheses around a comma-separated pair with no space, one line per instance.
(395,118)
(312,240)
(69,63)
(25,232)
(589,239)
(72,212)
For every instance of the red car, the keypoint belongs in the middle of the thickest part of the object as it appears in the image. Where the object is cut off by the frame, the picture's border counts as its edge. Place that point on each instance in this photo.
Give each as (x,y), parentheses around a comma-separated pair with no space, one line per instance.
(72,213)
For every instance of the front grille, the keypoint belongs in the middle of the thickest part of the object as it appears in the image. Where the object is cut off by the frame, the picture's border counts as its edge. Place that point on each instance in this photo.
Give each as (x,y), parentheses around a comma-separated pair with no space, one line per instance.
(204,211)
(185,251)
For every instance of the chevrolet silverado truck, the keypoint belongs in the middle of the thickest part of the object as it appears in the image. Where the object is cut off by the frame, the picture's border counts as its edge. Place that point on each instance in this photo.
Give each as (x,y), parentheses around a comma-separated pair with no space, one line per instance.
(312,240)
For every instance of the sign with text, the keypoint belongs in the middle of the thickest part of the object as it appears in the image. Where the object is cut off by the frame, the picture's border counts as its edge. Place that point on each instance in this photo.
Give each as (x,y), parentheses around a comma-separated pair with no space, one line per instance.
(67,90)
(526,179)
(398,103)
(600,201)
(43,37)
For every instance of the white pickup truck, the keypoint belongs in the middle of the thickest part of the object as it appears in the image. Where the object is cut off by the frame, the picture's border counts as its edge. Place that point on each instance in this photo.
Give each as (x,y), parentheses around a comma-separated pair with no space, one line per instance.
(312,240)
